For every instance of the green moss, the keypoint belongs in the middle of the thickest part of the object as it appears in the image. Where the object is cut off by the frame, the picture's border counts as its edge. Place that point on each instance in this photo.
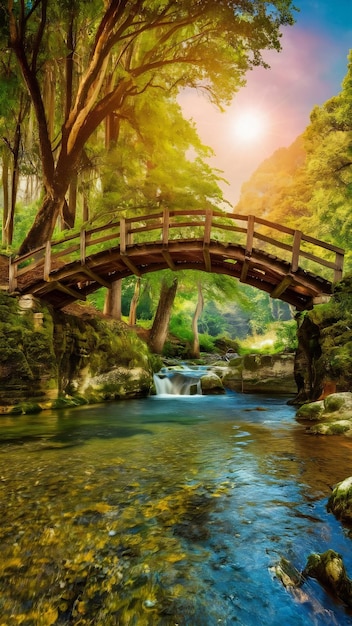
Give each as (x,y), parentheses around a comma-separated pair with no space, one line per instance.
(311,411)
(30,408)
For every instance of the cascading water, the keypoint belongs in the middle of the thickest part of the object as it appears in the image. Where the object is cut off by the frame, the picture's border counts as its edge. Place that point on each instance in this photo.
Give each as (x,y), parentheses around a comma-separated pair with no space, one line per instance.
(183,381)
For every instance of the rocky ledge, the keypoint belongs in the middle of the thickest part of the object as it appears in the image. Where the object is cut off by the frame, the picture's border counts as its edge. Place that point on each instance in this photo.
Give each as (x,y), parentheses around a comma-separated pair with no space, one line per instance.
(329,416)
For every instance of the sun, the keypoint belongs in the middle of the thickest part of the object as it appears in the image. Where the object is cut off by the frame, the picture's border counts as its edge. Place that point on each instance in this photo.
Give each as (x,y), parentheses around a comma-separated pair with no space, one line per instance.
(249,125)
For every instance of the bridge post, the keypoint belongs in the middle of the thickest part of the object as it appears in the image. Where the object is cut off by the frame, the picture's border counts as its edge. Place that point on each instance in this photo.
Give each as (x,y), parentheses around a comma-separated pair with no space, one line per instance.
(47,261)
(338,267)
(250,234)
(122,235)
(82,246)
(12,275)
(206,238)
(296,246)
(166,224)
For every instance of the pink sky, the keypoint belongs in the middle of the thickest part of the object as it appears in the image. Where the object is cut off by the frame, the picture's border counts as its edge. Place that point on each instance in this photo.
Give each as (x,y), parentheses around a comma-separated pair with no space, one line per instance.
(308,71)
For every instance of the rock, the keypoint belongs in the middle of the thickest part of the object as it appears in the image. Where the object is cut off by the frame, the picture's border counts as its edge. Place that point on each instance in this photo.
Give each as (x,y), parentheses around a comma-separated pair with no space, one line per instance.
(340,501)
(287,573)
(311,411)
(328,568)
(269,373)
(67,360)
(333,415)
(259,373)
(211,384)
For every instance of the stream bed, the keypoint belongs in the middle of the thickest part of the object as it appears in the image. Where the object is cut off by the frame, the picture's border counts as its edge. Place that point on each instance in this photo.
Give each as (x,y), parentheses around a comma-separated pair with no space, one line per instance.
(167,511)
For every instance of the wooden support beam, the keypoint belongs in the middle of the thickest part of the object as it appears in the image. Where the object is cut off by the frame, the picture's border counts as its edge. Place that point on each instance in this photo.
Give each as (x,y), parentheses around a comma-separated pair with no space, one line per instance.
(207,259)
(56,285)
(95,277)
(127,261)
(282,286)
(244,270)
(168,258)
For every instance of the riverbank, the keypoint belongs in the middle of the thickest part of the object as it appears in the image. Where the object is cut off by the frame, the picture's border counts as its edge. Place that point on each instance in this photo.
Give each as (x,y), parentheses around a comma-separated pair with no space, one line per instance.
(52,359)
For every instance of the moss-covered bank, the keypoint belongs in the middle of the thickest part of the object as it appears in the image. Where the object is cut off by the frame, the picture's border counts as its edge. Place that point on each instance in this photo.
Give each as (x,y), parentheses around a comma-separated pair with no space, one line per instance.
(324,357)
(50,359)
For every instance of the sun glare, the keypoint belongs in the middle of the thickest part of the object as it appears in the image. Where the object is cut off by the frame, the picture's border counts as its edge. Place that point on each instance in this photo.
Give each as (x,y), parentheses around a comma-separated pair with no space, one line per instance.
(249,125)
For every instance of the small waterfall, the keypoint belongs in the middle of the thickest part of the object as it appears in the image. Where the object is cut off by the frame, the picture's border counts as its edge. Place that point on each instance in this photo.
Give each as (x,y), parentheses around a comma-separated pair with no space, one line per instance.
(179,382)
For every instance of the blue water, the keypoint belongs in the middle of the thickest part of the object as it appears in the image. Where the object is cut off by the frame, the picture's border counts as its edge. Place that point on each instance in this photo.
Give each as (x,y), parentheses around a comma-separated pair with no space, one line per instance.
(167,511)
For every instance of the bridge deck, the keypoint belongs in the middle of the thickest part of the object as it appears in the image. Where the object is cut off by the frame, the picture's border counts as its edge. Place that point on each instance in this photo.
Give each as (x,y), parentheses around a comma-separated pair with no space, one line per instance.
(76,266)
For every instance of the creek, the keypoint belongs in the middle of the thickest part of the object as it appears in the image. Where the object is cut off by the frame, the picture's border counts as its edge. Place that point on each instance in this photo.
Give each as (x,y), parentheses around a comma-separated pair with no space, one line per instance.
(167,511)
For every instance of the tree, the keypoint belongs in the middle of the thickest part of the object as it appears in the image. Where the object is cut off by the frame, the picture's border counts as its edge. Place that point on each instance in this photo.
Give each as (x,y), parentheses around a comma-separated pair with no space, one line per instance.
(133,46)
(158,332)
(195,349)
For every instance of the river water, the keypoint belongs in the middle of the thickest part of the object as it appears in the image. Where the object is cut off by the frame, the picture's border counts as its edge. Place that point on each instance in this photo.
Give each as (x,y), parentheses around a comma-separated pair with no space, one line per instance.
(167,511)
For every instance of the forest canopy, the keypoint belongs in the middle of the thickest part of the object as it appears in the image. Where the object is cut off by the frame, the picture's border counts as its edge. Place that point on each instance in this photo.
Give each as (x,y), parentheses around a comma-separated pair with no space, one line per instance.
(76,74)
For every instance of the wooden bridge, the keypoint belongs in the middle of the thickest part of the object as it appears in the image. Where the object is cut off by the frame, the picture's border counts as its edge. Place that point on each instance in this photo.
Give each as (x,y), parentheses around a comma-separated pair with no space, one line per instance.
(268,256)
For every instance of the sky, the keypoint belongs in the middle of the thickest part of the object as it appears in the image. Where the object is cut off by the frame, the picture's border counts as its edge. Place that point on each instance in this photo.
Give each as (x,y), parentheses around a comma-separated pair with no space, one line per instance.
(275,105)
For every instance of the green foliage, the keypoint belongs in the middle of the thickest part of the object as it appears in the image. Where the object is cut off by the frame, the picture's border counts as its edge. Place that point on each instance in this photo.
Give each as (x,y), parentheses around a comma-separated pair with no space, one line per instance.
(206,343)
(286,336)
(308,186)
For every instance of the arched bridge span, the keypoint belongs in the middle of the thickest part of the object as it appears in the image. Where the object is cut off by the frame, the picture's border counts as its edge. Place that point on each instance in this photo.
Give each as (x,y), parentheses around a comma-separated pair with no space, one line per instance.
(283,262)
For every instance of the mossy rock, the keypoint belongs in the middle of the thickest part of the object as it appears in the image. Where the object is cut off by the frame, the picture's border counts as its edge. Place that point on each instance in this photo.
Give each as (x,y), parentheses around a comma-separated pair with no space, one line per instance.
(340,501)
(337,401)
(211,384)
(336,427)
(312,411)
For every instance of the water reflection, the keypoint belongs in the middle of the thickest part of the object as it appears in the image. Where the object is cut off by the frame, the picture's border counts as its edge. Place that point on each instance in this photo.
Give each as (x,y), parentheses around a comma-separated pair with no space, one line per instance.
(166,512)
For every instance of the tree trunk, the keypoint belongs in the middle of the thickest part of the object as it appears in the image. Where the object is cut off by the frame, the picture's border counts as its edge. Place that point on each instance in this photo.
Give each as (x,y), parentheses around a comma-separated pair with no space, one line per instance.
(160,325)
(195,350)
(70,208)
(5,187)
(134,303)
(44,224)
(112,304)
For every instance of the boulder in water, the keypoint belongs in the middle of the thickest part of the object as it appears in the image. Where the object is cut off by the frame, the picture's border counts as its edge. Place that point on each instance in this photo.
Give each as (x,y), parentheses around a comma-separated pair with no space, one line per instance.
(328,568)
(340,501)
(211,384)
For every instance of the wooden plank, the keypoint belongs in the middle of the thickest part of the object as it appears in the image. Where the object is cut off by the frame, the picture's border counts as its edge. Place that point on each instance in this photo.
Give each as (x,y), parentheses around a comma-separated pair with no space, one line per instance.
(282,286)
(322,244)
(274,226)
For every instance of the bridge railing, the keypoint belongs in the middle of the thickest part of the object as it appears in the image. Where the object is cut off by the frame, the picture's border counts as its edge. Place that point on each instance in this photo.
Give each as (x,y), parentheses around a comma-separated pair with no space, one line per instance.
(249,232)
